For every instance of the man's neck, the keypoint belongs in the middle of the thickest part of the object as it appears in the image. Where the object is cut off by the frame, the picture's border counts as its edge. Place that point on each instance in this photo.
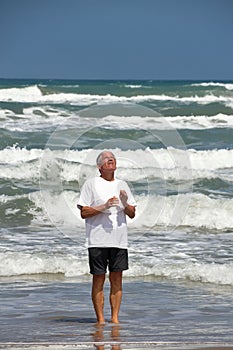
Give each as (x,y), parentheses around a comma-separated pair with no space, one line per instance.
(108,176)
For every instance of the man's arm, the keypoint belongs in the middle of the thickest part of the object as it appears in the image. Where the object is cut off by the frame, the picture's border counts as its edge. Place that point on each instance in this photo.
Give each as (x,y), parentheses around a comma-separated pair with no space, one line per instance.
(87,212)
(130,211)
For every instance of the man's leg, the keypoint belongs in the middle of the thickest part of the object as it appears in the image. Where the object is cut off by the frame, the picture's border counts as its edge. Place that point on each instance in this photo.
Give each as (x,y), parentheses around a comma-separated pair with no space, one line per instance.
(115,294)
(98,296)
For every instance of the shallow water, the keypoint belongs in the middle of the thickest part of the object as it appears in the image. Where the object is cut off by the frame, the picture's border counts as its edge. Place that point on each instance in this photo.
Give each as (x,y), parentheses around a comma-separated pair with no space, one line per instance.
(44,310)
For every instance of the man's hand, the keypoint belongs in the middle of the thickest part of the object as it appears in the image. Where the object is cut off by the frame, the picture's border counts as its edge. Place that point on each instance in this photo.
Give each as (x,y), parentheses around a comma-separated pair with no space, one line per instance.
(128,209)
(123,198)
(112,202)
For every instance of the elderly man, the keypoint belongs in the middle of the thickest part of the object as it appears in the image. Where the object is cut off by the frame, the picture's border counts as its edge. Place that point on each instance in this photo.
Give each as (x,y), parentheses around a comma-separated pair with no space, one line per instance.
(104,203)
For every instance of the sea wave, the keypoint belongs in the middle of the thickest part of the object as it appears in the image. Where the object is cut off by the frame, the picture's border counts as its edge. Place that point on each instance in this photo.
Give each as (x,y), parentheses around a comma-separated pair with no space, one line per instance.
(220,274)
(33,94)
(227,86)
(23,263)
(44,117)
(194,210)
(133,165)
(132,86)
(39,118)
(199,122)
(184,210)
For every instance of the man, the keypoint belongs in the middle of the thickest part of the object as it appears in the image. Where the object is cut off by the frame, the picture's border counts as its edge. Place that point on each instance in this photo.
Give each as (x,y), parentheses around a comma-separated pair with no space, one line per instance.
(104,203)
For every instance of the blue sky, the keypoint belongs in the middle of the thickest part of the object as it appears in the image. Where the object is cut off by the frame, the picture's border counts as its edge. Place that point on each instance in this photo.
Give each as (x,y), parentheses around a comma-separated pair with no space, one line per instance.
(116,39)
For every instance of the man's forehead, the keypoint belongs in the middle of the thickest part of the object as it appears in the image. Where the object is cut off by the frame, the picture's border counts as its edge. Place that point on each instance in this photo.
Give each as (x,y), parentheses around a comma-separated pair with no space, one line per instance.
(107,154)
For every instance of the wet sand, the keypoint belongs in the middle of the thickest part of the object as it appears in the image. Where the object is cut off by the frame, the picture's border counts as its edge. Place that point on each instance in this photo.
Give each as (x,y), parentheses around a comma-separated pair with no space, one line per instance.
(57,314)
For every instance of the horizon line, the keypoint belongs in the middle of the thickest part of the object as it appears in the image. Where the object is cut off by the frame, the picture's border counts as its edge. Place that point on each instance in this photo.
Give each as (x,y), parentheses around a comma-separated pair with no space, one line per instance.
(122,79)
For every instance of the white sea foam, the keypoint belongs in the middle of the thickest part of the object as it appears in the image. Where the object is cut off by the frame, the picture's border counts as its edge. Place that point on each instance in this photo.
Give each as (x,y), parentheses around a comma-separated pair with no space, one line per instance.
(148,164)
(23,263)
(193,210)
(70,86)
(14,155)
(162,123)
(33,94)
(6,198)
(183,210)
(37,118)
(42,118)
(221,274)
(227,86)
(229,104)
(26,94)
(132,86)
(6,113)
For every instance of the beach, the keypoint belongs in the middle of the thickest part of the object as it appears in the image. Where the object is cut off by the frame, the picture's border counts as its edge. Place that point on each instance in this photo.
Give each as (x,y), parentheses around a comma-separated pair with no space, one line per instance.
(173,144)
(154,313)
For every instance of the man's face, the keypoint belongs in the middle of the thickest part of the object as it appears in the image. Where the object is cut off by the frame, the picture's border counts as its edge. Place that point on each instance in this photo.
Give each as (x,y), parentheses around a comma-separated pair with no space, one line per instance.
(108,162)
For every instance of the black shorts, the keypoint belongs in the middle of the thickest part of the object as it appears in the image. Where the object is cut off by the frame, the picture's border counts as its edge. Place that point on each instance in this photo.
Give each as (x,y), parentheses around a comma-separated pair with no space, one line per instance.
(115,258)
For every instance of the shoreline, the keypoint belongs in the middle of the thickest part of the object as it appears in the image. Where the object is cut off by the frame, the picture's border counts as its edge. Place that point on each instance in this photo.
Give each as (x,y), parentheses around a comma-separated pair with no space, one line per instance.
(137,345)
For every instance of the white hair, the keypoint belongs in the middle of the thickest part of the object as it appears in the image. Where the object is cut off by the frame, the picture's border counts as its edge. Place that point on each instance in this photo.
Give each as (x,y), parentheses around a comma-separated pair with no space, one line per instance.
(100,156)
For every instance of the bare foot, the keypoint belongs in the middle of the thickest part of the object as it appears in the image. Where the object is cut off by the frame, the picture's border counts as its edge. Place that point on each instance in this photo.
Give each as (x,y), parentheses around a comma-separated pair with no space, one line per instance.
(100,323)
(115,321)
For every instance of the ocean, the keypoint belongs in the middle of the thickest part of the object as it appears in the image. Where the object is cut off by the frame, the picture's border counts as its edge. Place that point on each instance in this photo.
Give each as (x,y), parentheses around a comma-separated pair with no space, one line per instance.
(173,144)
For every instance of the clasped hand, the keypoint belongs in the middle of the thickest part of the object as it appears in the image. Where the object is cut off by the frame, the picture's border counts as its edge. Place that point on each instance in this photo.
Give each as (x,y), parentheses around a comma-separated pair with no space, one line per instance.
(114,201)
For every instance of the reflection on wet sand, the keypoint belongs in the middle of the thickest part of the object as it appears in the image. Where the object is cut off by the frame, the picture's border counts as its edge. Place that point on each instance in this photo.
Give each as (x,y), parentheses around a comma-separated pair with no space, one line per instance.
(102,338)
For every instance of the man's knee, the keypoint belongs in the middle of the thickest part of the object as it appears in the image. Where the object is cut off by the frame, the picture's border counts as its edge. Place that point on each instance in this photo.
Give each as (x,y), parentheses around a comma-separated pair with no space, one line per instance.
(115,278)
(98,280)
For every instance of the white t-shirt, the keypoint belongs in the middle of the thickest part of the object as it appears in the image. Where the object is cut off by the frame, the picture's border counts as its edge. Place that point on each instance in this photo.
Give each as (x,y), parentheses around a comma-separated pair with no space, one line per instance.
(109,228)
